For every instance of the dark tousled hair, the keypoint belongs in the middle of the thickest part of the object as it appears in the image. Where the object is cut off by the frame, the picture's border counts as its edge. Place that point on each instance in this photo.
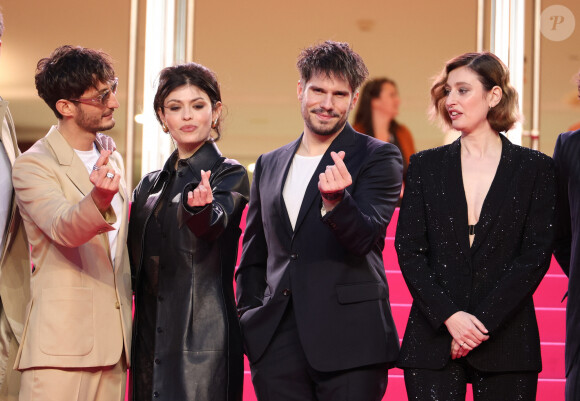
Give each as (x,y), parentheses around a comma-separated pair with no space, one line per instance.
(491,71)
(332,58)
(171,78)
(69,71)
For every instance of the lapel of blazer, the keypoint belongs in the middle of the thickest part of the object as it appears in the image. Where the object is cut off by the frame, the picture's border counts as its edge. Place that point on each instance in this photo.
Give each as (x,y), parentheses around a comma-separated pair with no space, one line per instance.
(70,163)
(11,148)
(455,202)
(8,135)
(497,192)
(121,235)
(285,160)
(121,245)
(343,141)
(118,166)
(74,169)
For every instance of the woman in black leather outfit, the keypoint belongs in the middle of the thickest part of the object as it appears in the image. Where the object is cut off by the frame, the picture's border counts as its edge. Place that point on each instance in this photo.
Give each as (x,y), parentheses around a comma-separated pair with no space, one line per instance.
(474,240)
(183,241)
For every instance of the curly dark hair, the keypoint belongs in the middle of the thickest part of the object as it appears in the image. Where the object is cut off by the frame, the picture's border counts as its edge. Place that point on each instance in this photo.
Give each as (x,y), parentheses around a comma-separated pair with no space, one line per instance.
(69,71)
(171,78)
(491,71)
(332,58)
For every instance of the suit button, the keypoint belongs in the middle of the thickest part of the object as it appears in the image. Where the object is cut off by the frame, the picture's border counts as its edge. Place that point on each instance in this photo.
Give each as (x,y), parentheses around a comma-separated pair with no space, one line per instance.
(286,292)
(155,394)
(294,256)
(157,361)
(117,305)
(159,330)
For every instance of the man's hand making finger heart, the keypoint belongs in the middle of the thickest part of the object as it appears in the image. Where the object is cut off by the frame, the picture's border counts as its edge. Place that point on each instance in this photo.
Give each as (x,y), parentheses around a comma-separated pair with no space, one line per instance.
(333,181)
(105,180)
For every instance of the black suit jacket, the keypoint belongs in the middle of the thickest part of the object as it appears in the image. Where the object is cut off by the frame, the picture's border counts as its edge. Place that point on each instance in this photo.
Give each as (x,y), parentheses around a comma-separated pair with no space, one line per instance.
(331,267)
(495,278)
(567,245)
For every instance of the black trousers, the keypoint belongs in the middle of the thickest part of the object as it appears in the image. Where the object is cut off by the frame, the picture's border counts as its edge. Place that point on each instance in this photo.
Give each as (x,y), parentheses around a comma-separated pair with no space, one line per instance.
(449,384)
(284,374)
(573,380)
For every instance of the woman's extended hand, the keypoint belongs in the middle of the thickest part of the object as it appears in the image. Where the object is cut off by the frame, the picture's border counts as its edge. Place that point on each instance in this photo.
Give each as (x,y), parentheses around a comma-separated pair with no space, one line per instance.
(467,332)
(201,195)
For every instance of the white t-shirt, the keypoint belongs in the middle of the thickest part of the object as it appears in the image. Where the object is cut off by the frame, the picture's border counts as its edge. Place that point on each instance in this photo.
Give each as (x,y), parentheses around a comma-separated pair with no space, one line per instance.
(299,176)
(89,158)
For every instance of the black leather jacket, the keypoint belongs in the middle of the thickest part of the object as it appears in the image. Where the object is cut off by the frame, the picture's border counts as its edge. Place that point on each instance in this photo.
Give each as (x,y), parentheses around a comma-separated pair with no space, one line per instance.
(198,352)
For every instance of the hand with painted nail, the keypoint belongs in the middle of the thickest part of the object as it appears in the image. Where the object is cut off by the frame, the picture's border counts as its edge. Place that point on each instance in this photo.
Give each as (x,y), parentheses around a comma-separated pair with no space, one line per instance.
(202,194)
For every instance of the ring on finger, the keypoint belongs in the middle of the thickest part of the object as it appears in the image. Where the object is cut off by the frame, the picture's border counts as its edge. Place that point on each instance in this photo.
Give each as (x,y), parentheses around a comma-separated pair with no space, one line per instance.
(95,167)
(110,175)
(462,344)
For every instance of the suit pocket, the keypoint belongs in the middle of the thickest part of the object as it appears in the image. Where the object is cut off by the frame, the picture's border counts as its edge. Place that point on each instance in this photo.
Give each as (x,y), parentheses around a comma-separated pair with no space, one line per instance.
(66,321)
(353,293)
(247,315)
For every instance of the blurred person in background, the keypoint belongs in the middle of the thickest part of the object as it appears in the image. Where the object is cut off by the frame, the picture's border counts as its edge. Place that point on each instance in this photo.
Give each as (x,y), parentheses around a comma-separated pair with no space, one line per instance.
(378,106)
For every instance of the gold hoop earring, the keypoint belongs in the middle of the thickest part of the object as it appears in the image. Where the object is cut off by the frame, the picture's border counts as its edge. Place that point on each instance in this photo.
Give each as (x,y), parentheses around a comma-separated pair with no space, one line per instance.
(214,124)
(165,127)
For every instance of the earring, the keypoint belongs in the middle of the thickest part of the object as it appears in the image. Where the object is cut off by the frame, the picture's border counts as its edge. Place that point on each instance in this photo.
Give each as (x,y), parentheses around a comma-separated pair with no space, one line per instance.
(165,127)
(214,124)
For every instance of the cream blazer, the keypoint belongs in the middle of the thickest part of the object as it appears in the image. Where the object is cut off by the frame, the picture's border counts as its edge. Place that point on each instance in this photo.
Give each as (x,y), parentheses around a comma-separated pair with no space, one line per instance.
(80,309)
(14,272)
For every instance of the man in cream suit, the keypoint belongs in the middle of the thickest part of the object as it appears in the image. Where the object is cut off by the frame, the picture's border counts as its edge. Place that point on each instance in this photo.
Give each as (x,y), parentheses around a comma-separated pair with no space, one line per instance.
(74,205)
(14,259)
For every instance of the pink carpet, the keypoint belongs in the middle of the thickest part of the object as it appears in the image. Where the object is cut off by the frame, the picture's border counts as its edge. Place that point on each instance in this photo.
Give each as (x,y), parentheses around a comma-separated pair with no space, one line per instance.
(550,312)
(551,319)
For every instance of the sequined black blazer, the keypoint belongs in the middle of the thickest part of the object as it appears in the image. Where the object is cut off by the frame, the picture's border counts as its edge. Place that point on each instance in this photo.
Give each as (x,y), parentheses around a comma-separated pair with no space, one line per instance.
(495,278)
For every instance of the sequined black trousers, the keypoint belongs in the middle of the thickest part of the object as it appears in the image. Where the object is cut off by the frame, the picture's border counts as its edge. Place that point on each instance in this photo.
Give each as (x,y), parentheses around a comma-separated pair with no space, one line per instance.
(450,384)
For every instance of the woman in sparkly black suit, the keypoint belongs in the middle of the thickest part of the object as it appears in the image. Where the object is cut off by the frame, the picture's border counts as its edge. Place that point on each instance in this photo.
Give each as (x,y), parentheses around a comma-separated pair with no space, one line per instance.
(474,240)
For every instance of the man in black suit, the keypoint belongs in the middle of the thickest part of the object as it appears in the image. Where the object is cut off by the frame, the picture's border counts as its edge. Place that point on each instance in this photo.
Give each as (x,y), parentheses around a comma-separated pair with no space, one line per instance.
(311,286)
(567,247)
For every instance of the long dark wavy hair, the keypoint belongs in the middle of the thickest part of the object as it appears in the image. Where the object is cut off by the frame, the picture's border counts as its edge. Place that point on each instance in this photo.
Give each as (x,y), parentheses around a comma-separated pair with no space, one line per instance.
(364,113)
